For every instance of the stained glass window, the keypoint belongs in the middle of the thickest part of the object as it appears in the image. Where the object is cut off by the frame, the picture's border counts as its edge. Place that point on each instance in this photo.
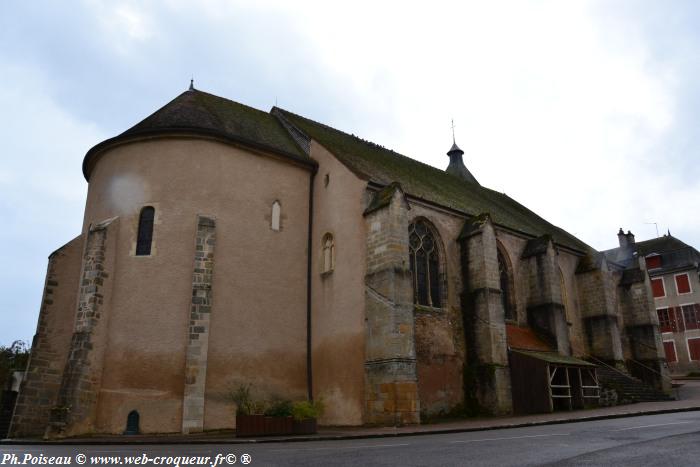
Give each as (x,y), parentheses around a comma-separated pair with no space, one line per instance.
(425,265)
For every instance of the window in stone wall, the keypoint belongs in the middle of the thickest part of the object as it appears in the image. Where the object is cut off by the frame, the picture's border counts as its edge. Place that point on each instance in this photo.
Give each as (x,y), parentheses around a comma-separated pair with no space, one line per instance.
(506,292)
(328,253)
(144,238)
(276,212)
(425,265)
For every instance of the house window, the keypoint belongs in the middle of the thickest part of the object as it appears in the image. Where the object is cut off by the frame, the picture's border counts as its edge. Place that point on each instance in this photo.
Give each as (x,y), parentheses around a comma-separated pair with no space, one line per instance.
(657,287)
(328,253)
(653,261)
(144,238)
(506,294)
(694,348)
(670,319)
(691,316)
(670,351)
(276,211)
(682,284)
(425,265)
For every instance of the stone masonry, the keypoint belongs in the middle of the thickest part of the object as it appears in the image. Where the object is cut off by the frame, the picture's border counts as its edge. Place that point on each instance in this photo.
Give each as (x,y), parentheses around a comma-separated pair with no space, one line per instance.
(43,377)
(198,339)
(391,389)
(597,304)
(487,372)
(74,411)
(545,311)
(642,328)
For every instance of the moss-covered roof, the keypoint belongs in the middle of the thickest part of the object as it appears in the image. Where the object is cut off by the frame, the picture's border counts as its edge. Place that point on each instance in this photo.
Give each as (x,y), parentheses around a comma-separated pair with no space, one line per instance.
(554,358)
(199,112)
(384,166)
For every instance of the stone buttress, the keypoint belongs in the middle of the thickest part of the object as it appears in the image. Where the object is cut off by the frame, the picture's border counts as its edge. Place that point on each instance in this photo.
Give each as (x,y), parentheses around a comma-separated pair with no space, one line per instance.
(596,289)
(642,327)
(198,330)
(74,411)
(391,388)
(545,311)
(51,342)
(487,376)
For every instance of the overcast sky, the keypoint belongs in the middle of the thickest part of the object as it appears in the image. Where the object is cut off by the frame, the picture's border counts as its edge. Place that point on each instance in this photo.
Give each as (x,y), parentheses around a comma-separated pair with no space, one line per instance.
(585,112)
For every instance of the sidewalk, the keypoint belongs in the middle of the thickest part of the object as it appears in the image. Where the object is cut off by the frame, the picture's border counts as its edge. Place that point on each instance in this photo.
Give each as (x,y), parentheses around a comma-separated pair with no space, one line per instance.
(688,394)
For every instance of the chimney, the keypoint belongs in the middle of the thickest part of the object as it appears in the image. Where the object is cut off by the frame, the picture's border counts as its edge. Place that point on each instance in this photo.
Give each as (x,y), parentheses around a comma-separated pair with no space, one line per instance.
(622,238)
(630,238)
(457,167)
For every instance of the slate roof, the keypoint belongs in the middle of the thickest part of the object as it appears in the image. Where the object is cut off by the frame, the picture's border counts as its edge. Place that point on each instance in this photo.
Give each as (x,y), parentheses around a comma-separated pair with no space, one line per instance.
(199,112)
(675,254)
(384,166)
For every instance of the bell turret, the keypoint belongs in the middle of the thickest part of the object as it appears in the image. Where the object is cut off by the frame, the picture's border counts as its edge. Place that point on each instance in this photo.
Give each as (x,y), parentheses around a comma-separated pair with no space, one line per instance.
(457,167)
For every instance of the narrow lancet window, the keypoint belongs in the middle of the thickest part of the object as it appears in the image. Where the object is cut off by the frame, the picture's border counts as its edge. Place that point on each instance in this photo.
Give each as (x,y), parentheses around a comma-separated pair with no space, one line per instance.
(328,253)
(506,294)
(425,265)
(276,211)
(145,234)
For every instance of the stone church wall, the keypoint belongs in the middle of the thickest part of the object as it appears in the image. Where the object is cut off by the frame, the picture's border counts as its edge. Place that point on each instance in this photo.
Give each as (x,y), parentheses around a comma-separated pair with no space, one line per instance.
(51,342)
(439,334)
(338,315)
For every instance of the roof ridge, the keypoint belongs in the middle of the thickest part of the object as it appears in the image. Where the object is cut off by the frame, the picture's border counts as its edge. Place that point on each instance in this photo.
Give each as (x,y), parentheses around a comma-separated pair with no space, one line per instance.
(362,140)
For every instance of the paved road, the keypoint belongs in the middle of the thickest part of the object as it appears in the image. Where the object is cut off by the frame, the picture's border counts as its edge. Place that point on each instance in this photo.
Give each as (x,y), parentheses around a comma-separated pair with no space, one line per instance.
(655,440)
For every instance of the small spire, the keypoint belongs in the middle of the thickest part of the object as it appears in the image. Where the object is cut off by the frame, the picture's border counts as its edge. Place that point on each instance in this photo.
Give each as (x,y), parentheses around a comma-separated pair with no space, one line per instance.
(668,232)
(192,84)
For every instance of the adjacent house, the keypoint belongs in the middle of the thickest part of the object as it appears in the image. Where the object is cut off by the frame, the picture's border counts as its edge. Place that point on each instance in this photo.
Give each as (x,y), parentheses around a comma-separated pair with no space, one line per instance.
(673,267)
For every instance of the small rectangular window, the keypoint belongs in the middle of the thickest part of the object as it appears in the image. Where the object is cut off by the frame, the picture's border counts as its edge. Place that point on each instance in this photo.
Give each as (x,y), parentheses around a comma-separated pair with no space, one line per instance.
(694,348)
(657,287)
(682,284)
(653,262)
(670,351)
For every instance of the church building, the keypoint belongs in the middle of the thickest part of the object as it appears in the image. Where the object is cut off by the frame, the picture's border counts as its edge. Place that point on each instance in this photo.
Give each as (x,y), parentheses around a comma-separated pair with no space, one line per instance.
(223,245)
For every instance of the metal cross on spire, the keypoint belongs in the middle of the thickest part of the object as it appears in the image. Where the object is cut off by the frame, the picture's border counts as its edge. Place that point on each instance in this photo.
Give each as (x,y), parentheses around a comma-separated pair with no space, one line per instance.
(453,131)
(192,84)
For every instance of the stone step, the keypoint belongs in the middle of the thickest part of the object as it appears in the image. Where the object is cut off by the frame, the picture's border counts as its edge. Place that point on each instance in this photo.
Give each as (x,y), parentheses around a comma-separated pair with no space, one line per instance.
(628,387)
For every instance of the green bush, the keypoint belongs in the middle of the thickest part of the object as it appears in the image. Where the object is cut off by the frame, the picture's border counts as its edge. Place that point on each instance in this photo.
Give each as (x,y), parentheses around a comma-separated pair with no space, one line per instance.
(279,408)
(307,409)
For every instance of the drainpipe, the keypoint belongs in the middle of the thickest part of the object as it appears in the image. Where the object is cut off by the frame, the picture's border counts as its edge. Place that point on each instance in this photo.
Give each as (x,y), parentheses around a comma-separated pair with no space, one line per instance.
(309,369)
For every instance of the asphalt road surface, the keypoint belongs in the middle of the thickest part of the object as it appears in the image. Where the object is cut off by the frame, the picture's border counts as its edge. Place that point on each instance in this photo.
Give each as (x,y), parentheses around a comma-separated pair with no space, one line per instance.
(654,440)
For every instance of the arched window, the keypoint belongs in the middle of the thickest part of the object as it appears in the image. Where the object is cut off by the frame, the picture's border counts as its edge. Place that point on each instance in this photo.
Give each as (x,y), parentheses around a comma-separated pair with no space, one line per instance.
(276,211)
(425,264)
(506,292)
(328,253)
(564,296)
(145,234)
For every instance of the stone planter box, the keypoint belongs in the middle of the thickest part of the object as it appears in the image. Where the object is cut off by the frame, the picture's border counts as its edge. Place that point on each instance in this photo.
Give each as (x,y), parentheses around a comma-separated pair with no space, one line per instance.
(261,425)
